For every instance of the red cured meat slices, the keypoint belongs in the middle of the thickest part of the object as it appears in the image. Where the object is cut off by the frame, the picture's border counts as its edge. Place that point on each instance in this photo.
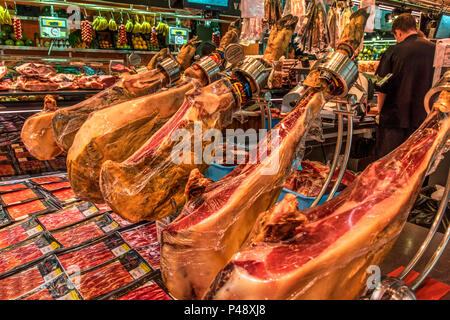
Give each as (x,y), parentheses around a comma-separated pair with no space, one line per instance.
(17,196)
(149,291)
(46,179)
(151,254)
(19,256)
(12,187)
(61,218)
(86,258)
(141,237)
(65,195)
(43,294)
(79,234)
(11,236)
(121,221)
(6,170)
(56,185)
(103,280)
(103,207)
(20,283)
(22,210)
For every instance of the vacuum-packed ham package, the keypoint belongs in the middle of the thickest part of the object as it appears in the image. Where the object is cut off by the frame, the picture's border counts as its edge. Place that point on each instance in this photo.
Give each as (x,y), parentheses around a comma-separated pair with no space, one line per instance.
(24,210)
(27,251)
(55,186)
(19,232)
(121,221)
(60,288)
(151,254)
(9,187)
(19,284)
(85,231)
(110,277)
(93,254)
(140,236)
(64,196)
(48,179)
(144,289)
(18,197)
(68,215)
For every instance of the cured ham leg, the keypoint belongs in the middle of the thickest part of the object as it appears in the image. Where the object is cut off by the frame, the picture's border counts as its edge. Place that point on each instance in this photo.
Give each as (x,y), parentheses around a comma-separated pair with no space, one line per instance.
(323,252)
(116,133)
(67,121)
(214,223)
(141,187)
(37,132)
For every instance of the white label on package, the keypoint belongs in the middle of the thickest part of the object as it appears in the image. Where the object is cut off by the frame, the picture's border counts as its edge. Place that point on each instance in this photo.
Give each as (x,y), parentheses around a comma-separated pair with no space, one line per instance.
(33,231)
(110,227)
(120,250)
(90,211)
(140,271)
(52,275)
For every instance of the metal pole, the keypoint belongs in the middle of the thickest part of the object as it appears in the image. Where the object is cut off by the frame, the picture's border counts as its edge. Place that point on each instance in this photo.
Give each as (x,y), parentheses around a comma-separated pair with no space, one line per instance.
(348,145)
(431,232)
(337,151)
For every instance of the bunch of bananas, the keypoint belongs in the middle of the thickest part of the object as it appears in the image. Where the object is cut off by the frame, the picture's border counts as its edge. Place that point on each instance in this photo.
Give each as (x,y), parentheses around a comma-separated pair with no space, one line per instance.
(163,29)
(137,27)
(112,25)
(5,18)
(146,27)
(100,24)
(129,26)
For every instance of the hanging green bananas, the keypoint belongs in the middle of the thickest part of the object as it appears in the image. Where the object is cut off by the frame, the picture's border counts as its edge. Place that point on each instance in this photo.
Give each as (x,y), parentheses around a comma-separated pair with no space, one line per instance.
(137,26)
(5,17)
(129,26)
(112,25)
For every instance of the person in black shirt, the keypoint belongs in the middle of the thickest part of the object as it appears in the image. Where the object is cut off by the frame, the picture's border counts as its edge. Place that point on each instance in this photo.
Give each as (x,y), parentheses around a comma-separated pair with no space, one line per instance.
(401,99)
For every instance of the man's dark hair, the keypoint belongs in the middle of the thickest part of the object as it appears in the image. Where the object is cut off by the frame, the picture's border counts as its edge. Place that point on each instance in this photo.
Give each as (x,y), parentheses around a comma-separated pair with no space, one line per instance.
(404,22)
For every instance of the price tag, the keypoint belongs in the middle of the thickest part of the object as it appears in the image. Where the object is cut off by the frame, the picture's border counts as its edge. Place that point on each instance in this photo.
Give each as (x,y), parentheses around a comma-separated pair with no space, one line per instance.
(140,271)
(35,230)
(22,159)
(110,227)
(90,211)
(47,249)
(120,250)
(72,295)
(18,150)
(52,275)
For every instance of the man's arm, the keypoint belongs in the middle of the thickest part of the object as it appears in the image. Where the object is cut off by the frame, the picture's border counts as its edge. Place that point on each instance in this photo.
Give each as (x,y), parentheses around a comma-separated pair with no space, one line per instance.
(380,100)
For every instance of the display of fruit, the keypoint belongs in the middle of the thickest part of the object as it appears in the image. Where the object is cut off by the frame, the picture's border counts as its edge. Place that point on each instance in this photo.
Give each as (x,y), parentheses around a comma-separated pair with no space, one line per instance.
(139,43)
(105,44)
(112,25)
(100,24)
(17,24)
(87,31)
(5,17)
(122,35)
(162,29)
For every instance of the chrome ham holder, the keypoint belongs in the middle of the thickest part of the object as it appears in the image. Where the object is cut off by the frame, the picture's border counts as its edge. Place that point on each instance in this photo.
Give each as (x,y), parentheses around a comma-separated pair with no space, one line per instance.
(171,67)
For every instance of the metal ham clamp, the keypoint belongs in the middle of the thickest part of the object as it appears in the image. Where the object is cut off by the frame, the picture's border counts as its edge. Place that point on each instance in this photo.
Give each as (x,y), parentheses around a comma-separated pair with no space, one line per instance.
(341,75)
(171,67)
(394,288)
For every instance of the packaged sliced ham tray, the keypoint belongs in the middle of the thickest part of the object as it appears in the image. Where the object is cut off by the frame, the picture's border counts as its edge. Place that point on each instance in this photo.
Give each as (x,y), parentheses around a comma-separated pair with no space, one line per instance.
(64,196)
(9,187)
(47,179)
(19,232)
(68,215)
(93,254)
(145,289)
(19,196)
(26,209)
(21,254)
(19,284)
(85,231)
(61,288)
(141,235)
(151,254)
(126,269)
